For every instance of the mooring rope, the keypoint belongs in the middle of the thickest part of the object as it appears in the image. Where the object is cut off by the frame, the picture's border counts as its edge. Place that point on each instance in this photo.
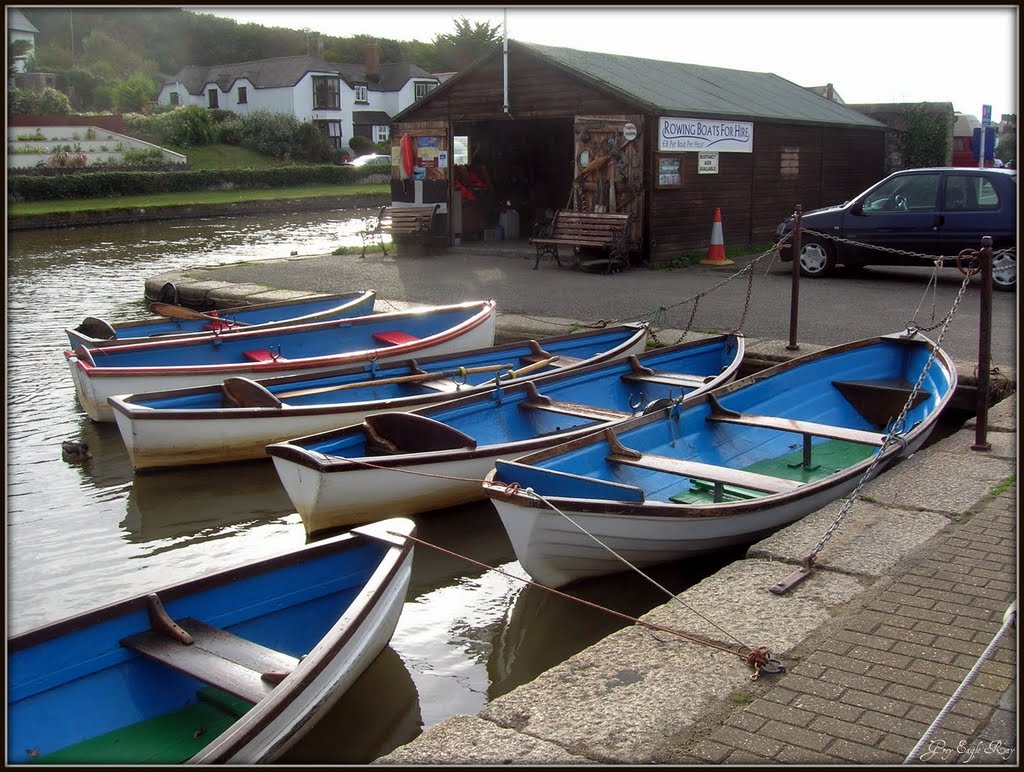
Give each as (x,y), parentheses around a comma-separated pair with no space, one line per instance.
(617,556)
(759,659)
(1009,618)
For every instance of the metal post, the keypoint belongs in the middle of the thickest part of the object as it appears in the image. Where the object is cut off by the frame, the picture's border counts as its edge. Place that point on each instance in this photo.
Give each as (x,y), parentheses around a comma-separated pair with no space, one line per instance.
(984,346)
(794,297)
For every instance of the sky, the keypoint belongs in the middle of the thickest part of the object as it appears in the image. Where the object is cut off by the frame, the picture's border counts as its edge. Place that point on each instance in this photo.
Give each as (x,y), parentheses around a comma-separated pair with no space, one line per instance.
(964,55)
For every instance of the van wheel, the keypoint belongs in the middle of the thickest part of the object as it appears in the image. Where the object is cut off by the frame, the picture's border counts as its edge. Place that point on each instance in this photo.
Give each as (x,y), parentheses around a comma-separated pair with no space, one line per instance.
(1004,271)
(817,258)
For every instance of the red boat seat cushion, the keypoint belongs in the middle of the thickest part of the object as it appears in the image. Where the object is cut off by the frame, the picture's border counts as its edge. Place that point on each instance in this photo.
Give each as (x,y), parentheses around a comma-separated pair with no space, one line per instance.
(394,337)
(217,326)
(262,355)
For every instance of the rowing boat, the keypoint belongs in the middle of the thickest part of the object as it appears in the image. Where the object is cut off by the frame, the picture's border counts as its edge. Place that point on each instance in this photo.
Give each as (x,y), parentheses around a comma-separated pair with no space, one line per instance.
(407,463)
(180,322)
(728,468)
(237,419)
(302,349)
(233,667)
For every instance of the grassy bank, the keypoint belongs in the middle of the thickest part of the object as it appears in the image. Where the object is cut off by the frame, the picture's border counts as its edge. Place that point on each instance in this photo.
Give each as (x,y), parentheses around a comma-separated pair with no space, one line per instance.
(195,198)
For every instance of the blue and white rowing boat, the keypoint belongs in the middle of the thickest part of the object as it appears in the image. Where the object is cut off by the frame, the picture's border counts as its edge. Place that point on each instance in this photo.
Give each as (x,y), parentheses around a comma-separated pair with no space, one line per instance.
(732,465)
(237,419)
(232,667)
(304,349)
(180,322)
(406,463)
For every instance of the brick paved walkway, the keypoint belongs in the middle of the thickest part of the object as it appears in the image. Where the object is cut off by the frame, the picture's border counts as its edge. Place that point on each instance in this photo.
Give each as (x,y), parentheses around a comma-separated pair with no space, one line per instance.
(867,689)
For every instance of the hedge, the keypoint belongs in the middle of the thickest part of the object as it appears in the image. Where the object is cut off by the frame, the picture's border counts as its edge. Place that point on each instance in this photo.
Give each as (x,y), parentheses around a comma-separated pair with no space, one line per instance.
(109,184)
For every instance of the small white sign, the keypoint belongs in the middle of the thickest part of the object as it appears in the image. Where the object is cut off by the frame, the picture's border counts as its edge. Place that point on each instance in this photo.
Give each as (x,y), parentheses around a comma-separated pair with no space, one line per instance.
(442,159)
(629,132)
(707,163)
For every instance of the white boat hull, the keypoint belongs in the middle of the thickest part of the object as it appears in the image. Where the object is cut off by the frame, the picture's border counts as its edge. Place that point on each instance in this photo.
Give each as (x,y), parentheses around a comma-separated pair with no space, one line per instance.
(327,500)
(554,552)
(93,390)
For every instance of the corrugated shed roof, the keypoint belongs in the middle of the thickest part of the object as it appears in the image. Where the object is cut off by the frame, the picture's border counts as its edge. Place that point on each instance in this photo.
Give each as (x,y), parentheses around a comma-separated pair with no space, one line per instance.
(16,20)
(674,88)
(289,70)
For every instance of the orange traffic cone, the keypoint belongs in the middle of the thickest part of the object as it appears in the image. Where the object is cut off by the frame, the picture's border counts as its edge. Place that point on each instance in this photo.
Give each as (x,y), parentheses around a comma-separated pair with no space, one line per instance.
(716,251)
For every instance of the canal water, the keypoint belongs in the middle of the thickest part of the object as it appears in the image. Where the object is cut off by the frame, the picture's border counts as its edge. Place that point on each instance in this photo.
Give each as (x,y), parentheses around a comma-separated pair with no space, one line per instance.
(81,536)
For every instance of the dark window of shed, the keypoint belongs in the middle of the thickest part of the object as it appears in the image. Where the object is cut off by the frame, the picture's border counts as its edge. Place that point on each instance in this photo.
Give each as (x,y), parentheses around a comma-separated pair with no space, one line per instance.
(326,93)
(790,163)
(670,172)
(243,95)
(174,98)
(212,96)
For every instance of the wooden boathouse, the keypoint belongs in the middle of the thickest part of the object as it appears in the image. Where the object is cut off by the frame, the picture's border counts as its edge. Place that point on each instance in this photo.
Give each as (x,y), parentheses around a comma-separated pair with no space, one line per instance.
(591,132)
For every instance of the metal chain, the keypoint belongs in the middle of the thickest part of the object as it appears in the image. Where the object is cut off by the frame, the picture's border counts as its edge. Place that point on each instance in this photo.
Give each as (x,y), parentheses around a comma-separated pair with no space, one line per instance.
(903,252)
(892,436)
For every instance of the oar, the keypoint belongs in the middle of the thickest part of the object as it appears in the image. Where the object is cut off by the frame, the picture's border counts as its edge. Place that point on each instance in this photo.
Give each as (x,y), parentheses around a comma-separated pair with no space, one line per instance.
(180,312)
(397,379)
(463,371)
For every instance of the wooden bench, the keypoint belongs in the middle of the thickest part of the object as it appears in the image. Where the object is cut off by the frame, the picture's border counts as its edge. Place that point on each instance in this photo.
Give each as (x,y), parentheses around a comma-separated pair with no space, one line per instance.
(603,230)
(537,401)
(240,667)
(416,222)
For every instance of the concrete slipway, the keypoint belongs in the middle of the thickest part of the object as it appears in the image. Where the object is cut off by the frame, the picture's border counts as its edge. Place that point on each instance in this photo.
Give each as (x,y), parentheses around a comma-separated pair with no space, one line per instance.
(906,596)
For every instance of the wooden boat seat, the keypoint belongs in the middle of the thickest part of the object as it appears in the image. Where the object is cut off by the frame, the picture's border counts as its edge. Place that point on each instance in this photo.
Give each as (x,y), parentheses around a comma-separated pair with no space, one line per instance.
(807,428)
(242,668)
(881,400)
(390,433)
(539,355)
(701,471)
(445,385)
(393,337)
(537,401)
(669,379)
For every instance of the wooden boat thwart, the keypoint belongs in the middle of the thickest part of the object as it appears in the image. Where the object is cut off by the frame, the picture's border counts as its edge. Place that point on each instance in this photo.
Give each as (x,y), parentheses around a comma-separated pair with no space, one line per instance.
(229,668)
(733,465)
(179,322)
(236,420)
(406,463)
(304,349)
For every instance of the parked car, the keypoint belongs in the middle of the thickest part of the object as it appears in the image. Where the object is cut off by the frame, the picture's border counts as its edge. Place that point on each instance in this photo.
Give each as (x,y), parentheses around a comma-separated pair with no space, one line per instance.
(934,211)
(373,159)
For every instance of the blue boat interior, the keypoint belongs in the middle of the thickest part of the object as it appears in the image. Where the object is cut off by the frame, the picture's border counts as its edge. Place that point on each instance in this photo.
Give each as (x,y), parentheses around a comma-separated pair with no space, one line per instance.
(566,403)
(286,343)
(88,697)
(447,379)
(346,308)
(843,405)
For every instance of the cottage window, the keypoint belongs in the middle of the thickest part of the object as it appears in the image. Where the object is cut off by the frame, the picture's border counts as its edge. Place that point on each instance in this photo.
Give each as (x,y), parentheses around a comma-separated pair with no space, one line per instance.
(174,98)
(361,95)
(326,93)
(243,95)
(212,96)
(381,133)
(332,130)
(423,88)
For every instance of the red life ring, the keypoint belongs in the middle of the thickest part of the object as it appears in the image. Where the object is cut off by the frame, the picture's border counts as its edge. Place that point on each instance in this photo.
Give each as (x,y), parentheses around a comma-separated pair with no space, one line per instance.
(408,156)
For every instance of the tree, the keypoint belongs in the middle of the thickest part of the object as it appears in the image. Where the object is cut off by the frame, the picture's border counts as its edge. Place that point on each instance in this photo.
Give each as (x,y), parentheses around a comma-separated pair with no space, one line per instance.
(132,95)
(468,43)
(1006,150)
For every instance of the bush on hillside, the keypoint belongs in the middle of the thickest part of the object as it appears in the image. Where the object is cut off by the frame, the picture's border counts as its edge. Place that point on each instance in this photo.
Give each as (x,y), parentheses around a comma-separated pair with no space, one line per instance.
(47,101)
(279,135)
(182,127)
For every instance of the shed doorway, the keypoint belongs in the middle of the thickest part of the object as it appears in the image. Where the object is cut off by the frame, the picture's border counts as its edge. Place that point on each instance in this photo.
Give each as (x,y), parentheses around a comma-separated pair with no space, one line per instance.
(509,175)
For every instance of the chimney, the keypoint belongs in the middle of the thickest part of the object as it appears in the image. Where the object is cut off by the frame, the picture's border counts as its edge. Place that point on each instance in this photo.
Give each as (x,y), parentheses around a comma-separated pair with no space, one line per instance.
(830,93)
(372,61)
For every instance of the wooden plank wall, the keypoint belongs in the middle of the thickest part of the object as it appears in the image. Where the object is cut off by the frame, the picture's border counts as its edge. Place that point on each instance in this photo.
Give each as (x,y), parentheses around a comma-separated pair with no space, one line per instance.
(811,165)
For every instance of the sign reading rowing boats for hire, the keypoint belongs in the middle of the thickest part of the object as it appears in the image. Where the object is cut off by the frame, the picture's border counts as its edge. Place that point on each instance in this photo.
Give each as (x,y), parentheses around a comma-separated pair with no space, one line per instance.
(723,136)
